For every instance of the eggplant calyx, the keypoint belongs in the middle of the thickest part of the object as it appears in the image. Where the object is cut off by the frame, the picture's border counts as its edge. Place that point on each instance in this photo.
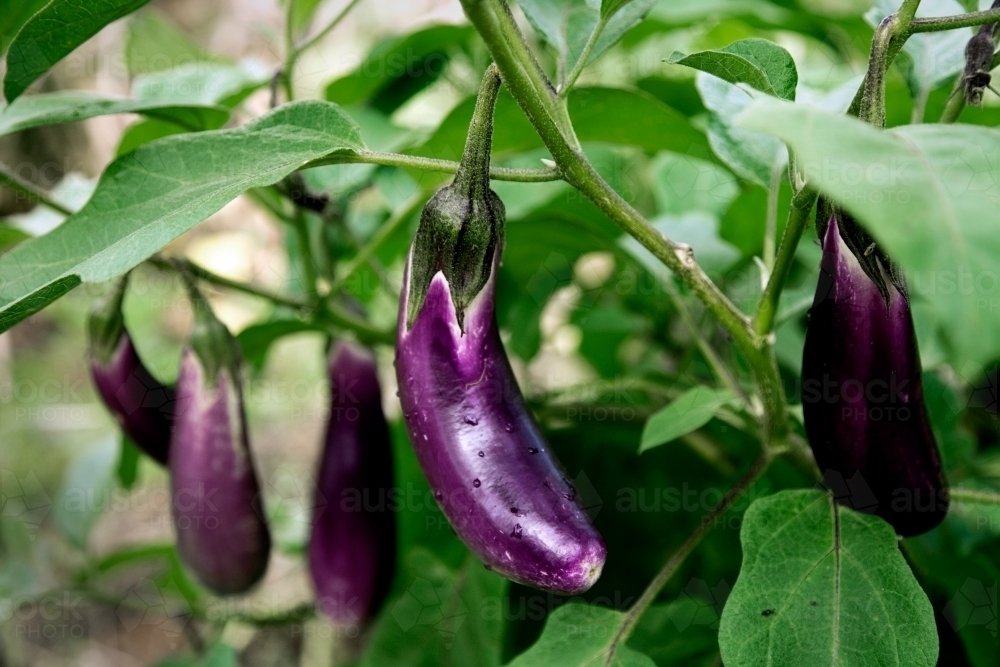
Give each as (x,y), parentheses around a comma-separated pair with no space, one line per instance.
(462,225)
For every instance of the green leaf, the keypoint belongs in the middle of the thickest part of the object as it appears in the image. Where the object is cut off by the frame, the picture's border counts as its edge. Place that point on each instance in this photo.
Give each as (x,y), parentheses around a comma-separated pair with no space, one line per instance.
(154,43)
(928,60)
(823,585)
(400,67)
(200,83)
(302,13)
(759,63)
(128,463)
(145,131)
(751,155)
(13,15)
(152,195)
(652,125)
(71,106)
(442,617)
(580,635)
(924,192)
(688,412)
(85,488)
(685,184)
(680,633)
(53,33)
(257,339)
(10,236)
(568,24)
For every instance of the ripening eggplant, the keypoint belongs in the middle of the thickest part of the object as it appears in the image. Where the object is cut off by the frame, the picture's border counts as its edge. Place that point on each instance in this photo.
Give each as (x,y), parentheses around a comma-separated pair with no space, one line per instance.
(491,471)
(221,533)
(352,548)
(141,404)
(862,393)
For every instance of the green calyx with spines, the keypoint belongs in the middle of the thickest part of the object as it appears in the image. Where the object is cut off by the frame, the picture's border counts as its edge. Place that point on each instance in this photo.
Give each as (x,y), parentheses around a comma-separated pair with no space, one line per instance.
(462,224)
(106,326)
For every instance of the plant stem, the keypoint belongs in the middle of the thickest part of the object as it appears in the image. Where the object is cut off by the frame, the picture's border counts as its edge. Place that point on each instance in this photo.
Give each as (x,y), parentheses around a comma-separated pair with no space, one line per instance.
(388,228)
(975,496)
(315,39)
(567,84)
(678,557)
(309,273)
(956,103)
(202,273)
(578,172)
(872,109)
(907,11)
(29,190)
(798,218)
(771,222)
(711,356)
(939,23)
(431,164)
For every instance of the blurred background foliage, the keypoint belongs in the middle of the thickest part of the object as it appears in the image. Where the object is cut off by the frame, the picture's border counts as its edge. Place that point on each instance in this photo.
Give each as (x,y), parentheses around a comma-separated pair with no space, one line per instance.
(87,573)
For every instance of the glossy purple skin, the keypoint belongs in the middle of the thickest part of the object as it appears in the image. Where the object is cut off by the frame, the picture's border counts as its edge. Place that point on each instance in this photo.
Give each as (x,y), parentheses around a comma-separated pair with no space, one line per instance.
(221,533)
(352,549)
(863,398)
(492,473)
(142,406)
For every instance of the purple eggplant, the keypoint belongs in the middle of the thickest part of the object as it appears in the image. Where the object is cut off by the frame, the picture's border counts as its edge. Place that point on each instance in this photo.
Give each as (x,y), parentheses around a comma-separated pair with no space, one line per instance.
(221,533)
(863,399)
(491,471)
(352,549)
(141,404)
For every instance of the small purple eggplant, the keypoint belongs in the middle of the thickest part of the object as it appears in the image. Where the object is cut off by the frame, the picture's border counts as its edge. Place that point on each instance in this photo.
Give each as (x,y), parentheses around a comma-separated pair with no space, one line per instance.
(141,404)
(352,549)
(221,533)
(863,398)
(491,471)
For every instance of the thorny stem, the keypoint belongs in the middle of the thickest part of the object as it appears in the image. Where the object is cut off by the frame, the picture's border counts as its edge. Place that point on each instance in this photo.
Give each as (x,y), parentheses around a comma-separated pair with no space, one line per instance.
(956,103)
(680,555)
(472,176)
(432,164)
(872,109)
(29,190)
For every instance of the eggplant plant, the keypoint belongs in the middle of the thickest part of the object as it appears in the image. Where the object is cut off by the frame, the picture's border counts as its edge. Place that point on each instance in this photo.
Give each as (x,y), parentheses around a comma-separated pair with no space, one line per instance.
(639,415)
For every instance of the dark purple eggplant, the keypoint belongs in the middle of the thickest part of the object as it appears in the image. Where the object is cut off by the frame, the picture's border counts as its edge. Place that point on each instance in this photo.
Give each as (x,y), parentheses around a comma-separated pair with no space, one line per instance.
(352,548)
(221,532)
(863,398)
(491,471)
(141,404)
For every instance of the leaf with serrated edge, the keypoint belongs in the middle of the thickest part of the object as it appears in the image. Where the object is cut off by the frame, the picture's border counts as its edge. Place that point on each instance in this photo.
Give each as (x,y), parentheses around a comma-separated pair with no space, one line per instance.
(823,585)
(927,193)
(580,635)
(147,198)
(759,63)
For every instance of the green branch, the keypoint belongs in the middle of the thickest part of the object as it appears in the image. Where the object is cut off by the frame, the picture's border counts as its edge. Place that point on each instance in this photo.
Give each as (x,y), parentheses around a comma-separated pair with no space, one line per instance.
(939,23)
(384,233)
(431,164)
(798,219)
(567,84)
(678,557)
(29,190)
(576,170)
(975,496)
